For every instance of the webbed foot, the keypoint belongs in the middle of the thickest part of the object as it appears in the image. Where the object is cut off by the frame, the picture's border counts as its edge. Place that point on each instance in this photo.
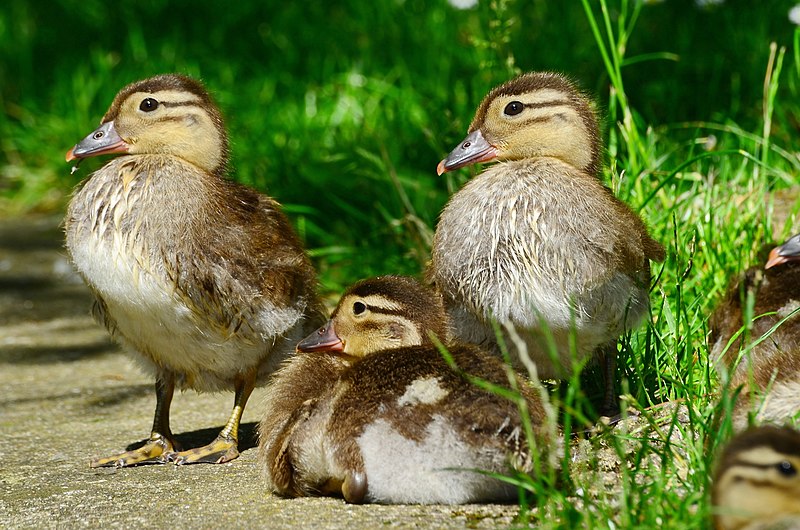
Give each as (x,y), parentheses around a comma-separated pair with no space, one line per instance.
(222,449)
(154,451)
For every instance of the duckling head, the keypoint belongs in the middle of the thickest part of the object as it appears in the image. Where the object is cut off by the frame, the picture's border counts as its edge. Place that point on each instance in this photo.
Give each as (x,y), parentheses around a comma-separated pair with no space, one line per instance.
(758,478)
(381,313)
(788,252)
(539,114)
(169,114)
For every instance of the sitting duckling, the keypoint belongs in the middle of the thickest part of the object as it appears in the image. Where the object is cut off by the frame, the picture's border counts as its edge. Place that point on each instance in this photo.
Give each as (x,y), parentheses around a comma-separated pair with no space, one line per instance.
(757,483)
(369,409)
(537,240)
(770,372)
(202,278)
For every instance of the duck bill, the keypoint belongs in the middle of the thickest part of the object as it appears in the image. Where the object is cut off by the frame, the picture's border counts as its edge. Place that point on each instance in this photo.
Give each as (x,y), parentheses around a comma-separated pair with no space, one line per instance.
(789,251)
(102,141)
(324,339)
(472,150)
(775,258)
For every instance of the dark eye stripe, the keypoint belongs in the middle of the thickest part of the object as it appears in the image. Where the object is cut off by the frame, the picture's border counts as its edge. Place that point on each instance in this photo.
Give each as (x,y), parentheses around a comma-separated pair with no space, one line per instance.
(543,104)
(180,103)
(367,325)
(383,311)
(170,118)
(180,117)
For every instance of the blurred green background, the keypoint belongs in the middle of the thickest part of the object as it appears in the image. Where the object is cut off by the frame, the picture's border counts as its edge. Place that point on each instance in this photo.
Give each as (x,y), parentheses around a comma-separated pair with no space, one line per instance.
(342,109)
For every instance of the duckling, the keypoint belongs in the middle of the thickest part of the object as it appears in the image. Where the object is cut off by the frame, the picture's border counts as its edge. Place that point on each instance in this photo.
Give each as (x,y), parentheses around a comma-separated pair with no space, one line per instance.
(537,240)
(202,279)
(757,485)
(769,373)
(369,408)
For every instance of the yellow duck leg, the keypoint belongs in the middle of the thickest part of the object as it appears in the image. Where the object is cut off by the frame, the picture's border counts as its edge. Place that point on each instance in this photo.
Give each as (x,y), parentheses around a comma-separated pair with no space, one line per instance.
(224,448)
(161,442)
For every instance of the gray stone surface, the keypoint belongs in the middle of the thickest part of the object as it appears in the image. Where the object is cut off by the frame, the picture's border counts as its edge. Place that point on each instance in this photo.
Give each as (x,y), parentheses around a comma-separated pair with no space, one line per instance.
(67,394)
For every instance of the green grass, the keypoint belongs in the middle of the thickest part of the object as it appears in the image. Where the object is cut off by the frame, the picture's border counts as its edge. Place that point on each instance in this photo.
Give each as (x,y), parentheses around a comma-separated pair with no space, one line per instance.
(342,110)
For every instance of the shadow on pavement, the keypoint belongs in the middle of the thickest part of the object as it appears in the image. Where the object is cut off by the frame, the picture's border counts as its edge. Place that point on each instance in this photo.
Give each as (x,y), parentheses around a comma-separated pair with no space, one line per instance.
(55,353)
(248,437)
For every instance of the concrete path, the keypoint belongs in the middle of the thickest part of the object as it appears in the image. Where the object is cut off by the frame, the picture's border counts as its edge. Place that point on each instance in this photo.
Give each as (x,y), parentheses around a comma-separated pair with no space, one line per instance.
(68,394)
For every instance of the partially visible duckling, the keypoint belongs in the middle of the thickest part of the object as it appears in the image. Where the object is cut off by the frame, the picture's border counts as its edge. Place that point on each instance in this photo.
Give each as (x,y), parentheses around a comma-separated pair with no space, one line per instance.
(537,240)
(757,484)
(370,409)
(770,371)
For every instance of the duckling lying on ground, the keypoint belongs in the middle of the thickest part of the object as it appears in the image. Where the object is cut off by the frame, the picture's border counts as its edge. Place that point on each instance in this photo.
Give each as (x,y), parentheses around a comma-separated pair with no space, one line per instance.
(202,278)
(537,240)
(757,482)
(770,371)
(370,409)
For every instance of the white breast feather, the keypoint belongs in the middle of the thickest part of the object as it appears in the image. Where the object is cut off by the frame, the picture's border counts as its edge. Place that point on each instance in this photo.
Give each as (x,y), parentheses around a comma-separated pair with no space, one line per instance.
(437,470)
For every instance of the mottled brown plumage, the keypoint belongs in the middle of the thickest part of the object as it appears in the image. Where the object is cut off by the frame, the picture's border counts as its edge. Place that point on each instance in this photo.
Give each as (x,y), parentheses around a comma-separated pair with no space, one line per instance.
(380,419)
(537,240)
(201,278)
(757,481)
(768,369)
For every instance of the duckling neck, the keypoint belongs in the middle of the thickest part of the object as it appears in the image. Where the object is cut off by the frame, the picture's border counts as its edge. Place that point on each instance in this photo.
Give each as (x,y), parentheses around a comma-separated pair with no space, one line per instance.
(160,195)
(544,180)
(541,163)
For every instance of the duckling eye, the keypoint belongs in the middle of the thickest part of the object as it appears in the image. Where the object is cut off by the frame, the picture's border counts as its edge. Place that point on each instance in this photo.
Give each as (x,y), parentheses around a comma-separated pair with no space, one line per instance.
(786,469)
(513,108)
(148,105)
(359,307)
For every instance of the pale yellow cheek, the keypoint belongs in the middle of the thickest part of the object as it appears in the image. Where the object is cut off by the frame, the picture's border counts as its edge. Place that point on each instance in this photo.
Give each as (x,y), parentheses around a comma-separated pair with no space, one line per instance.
(358,346)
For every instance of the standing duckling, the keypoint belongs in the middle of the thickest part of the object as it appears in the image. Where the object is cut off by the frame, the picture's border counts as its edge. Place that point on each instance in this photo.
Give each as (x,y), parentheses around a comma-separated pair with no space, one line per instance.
(537,240)
(369,409)
(757,483)
(202,278)
(770,372)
